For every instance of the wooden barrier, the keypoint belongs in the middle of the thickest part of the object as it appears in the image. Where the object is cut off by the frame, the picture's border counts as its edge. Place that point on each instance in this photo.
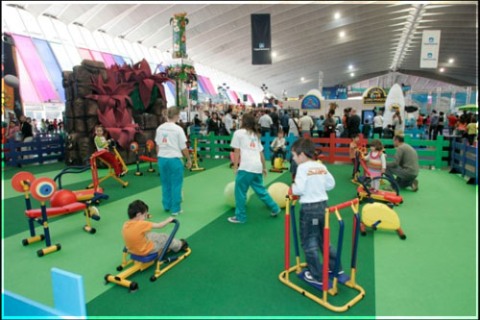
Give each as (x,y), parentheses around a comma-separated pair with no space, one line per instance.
(42,148)
(431,153)
(464,161)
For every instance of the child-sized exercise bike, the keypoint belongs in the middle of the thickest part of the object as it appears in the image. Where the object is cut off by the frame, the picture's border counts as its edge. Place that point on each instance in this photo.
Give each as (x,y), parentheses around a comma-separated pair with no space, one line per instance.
(388,192)
(278,165)
(62,202)
(380,216)
(331,278)
(111,173)
(163,261)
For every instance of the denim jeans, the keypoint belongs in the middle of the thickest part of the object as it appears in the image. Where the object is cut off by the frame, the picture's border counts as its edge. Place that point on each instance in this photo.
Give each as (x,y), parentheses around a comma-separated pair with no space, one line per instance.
(171,176)
(312,222)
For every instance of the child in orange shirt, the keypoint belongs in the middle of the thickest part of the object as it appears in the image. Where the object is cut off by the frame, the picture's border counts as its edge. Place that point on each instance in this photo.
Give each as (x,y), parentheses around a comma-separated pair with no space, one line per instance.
(137,233)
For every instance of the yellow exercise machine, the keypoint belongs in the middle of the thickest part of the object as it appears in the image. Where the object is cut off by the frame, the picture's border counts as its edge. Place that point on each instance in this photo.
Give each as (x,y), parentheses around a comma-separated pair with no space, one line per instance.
(330,280)
(141,263)
(195,160)
(380,216)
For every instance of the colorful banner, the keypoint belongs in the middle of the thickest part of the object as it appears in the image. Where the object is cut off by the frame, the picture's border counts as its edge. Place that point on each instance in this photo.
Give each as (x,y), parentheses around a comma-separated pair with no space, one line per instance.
(430,48)
(179,22)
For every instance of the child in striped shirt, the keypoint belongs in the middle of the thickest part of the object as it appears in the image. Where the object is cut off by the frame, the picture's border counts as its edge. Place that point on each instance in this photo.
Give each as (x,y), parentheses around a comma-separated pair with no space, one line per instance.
(376,162)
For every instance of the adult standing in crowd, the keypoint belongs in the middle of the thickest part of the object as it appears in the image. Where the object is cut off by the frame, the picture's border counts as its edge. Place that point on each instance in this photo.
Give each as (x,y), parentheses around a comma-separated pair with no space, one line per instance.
(265,122)
(432,129)
(353,124)
(405,166)
(306,123)
(284,122)
(378,124)
(228,121)
(275,122)
(397,123)
(330,124)
(452,122)
(171,148)
(293,126)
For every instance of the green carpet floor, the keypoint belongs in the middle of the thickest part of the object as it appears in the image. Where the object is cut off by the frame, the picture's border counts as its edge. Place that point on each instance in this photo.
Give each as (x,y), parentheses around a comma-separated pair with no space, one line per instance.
(233,269)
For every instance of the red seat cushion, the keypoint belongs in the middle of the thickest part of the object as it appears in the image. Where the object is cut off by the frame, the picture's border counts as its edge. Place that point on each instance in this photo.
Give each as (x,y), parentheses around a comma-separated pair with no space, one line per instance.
(69,208)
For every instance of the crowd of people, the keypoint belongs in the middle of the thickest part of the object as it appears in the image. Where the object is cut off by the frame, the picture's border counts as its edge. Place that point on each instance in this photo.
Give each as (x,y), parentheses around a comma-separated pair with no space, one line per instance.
(25,128)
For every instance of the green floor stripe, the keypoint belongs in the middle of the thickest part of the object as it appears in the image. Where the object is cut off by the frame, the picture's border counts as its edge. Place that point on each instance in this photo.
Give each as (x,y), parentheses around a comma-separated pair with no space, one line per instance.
(233,271)
(433,271)
(95,255)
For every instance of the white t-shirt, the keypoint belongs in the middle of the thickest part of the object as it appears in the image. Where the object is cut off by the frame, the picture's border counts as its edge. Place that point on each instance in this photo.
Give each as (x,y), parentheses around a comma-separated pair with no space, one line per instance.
(312,182)
(171,140)
(306,123)
(265,121)
(378,121)
(250,148)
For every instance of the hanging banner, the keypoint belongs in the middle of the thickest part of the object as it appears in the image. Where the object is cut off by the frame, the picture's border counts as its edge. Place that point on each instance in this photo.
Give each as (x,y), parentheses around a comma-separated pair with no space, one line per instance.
(179,22)
(430,48)
(261,39)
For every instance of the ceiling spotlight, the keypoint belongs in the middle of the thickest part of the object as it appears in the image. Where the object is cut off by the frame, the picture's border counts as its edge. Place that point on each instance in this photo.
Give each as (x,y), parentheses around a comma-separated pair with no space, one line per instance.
(274,54)
(337,15)
(342,34)
(442,69)
(352,74)
(350,67)
(302,79)
(451,60)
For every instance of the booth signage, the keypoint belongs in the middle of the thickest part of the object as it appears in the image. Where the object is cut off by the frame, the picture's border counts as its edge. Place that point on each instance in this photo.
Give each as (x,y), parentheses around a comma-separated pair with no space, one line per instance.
(374,96)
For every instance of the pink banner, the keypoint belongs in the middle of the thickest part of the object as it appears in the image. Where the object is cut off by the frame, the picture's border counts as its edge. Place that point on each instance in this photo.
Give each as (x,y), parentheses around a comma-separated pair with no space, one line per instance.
(34,67)
(97,56)
(209,84)
(27,89)
(85,54)
(108,59)
(250,98)
(234,96)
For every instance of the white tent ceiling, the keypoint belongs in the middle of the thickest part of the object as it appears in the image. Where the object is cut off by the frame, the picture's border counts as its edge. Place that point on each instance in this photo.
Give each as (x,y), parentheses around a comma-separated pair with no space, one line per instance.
(380,38)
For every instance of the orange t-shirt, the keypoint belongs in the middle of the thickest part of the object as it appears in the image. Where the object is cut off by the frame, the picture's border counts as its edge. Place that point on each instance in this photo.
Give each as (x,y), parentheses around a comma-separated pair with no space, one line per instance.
(134,235)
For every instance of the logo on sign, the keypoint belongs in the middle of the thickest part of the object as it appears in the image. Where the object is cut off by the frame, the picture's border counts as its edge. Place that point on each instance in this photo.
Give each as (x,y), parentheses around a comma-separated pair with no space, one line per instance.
(311,102)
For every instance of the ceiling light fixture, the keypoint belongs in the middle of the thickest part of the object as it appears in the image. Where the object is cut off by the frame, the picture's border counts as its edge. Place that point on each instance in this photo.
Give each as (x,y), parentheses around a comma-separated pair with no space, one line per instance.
(352,74)
(350,67)
(302,79)
(337,15)
(442,69)
(274,54)
(451,60)
(342,34)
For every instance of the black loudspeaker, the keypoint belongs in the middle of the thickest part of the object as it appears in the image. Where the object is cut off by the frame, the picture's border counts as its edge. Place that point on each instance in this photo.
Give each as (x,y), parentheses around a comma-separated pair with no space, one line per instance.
(261,39)
(245,98)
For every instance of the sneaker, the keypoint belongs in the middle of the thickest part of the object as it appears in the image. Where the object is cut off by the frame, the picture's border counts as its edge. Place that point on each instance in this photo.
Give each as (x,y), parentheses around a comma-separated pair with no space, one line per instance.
(330,272)
(308,277)
(234,220)
(177,213)
(122,174)
(275,214)
(415,185)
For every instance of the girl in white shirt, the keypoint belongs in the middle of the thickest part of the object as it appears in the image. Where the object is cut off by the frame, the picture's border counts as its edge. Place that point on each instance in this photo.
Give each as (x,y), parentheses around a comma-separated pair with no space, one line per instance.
(249,168)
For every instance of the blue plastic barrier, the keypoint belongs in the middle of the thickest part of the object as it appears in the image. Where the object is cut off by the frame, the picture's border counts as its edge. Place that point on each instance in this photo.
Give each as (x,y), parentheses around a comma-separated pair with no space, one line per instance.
(41,149)
(464,161)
